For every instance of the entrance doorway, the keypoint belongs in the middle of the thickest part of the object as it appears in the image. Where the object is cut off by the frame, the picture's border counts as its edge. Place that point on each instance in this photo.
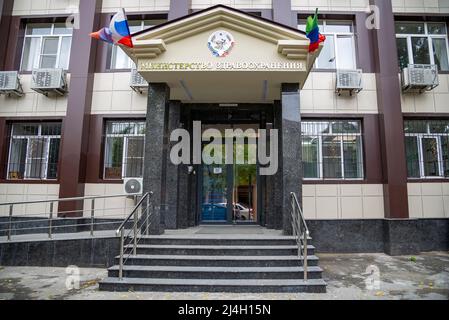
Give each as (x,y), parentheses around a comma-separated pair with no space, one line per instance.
(229,192)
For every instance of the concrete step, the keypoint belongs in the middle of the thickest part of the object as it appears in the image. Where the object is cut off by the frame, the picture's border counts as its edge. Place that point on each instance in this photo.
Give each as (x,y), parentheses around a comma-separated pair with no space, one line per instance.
(213,285)
(234,250)
(215,272)
(218,261)
(250,240)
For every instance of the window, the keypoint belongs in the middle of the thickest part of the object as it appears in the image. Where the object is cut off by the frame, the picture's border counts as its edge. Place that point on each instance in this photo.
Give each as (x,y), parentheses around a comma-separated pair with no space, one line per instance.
(119,59)
(46,45)
(332,149)
(34,151)
(422,43)
(427,148)
(339,48)
(124,149)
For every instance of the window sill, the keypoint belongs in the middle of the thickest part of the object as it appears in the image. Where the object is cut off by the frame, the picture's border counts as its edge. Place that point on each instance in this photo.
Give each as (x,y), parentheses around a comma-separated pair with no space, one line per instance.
(117,70)
(29,181)
(31,72)
(335,181)
(428,180)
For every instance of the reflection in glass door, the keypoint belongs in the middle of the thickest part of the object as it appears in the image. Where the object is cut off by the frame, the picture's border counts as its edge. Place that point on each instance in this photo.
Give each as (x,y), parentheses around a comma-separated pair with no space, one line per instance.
(214,192)
(229,191)
(244,189)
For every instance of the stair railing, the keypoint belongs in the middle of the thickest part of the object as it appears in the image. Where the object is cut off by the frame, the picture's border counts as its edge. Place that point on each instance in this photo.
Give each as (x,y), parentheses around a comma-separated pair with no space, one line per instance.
(300,231)
(36,217)
(137,223)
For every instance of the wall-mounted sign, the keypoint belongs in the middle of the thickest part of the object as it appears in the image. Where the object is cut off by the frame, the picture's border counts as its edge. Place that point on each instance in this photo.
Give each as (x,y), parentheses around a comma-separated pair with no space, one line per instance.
(218,170)
(220,43)
(220,66)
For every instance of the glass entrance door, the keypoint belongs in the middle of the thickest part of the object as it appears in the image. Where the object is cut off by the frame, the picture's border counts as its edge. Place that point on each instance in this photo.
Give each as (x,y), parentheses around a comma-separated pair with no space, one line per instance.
(229,191)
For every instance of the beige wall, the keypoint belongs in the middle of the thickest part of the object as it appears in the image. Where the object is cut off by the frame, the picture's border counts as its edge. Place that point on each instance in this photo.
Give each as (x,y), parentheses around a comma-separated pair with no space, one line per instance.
(428,200)
(112,94)
(30,7)
(118,207)
(14,192)
(318,95)
(436,100)
(343,201)
(136,5)
(239,4)
(421,6)
(33,104)
(330,5)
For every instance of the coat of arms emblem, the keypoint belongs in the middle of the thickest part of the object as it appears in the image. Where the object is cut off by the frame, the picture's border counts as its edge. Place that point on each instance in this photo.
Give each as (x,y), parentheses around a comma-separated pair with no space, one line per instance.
(220,43)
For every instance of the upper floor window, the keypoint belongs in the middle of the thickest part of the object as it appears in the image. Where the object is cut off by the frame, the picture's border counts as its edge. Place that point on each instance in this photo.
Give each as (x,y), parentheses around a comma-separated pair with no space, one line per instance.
(124,149)
(119,59)
(427,148)
(46,45)
(34,150)
(422,43)
(332,149)
(339,48)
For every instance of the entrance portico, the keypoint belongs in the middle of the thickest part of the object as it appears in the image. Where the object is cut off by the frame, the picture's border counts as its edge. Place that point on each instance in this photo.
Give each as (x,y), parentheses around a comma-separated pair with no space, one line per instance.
(223,68)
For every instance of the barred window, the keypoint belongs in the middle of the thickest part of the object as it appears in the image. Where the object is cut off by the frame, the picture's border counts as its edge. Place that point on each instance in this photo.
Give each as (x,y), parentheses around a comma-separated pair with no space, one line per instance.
(124,149)
(34,150)
(332,149)
(427,148)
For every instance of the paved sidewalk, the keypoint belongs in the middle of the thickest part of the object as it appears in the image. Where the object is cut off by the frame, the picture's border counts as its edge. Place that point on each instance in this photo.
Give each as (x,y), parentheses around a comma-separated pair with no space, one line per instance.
(422,277)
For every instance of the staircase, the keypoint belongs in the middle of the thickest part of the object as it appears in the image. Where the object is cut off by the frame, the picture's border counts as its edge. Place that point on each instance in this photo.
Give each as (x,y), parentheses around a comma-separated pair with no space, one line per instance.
(216,263)
(255,260)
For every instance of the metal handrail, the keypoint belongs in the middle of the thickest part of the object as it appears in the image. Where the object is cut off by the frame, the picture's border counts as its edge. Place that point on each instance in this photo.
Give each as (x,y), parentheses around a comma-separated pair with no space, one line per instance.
(67,199)
(300,231)
(145,215)
(50,215)
(132,212)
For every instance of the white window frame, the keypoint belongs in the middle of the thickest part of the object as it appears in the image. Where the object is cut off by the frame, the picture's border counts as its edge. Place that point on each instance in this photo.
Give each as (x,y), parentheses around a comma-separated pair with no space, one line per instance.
(419,139)
(341,140)
(37,62)
(335,35)
(131,63)
(125,137)
(28,158)
(426,34)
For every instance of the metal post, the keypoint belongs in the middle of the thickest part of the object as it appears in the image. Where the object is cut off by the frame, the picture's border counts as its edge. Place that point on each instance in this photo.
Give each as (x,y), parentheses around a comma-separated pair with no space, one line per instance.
(50,220)
(147,218)
(11,208)
(122,243)
(135,233)
(92,216)
(306,235)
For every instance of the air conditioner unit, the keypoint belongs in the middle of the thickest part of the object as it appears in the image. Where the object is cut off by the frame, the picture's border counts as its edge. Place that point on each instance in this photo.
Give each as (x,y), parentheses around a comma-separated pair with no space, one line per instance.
(419,77)
(348,80)
(137,83)
(133,186)
(10,83)
(49,80)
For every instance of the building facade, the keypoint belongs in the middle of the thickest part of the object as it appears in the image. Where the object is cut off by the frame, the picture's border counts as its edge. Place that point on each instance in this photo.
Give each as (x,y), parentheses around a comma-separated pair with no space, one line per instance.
(371,163)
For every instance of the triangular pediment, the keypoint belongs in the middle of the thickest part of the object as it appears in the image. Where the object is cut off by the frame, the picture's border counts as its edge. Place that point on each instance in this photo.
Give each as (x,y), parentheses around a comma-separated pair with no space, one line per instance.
(222,54)
(216,17)
(152,42)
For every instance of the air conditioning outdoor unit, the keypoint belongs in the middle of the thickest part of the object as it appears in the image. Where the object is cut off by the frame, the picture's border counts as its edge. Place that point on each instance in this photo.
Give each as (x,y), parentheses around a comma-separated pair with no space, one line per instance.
(10,83)
(348,80)
(419,77)
(49,80)
(133,186)
(137,83)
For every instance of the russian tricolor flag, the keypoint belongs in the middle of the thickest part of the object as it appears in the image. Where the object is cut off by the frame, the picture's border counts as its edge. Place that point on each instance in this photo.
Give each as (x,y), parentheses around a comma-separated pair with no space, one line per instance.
(118,31)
